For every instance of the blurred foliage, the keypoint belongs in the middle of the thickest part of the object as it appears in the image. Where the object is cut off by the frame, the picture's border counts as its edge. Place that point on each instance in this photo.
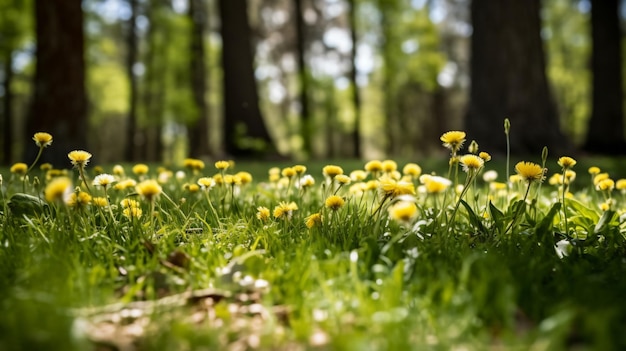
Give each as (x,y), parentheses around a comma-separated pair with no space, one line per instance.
(404,49)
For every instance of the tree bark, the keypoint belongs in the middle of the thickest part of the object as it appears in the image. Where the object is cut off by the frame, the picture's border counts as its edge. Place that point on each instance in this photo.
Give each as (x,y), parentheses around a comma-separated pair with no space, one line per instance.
(305,113)
(509,80)
(605,133)
(356,96)
(245,133)
(59,104)
(130,152)
(7,112)
(199,131)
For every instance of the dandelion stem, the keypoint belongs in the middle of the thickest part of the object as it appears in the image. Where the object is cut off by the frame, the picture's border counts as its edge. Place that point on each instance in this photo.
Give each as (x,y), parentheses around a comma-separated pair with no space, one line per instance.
(36,159)
(519,209)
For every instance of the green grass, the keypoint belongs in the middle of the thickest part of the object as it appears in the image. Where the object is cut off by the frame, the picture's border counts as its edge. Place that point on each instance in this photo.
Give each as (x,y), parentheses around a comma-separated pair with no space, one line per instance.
(205,273)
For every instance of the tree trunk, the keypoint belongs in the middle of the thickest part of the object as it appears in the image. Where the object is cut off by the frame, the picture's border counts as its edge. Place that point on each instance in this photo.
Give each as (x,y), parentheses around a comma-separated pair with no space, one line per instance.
(356,96)
(131,58)
(59,104)
(509,80)
(305,113)
(388,10)
(7,109)
(245,133)
(605,133)
(199,131)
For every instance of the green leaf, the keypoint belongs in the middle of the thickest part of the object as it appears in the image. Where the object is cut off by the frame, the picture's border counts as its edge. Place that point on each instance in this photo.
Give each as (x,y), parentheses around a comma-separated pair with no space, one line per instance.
(475,221)
(578,208)
(604,221)
(497,216)
(26,205)
(546,222)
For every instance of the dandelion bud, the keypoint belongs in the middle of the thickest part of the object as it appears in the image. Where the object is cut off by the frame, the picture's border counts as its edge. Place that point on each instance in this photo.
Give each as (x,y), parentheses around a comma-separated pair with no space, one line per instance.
(544,154)
(36,182)
(473,147)
(507,126)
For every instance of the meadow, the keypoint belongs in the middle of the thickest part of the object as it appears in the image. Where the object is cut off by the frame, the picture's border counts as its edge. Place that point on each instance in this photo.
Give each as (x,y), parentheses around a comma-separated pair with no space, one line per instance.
(380,256)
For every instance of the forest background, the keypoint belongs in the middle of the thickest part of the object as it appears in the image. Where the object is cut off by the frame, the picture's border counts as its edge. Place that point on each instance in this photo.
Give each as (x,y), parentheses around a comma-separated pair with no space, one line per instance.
(161,80)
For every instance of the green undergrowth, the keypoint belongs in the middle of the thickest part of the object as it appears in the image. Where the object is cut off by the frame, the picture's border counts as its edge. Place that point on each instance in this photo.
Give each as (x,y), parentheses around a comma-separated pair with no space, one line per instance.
(400,263)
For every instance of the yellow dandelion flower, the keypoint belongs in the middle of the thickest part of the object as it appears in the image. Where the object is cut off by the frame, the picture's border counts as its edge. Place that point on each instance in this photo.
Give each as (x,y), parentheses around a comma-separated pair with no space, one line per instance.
(566,162)
(313,220)
(118,170)
(79,199)
(593,170)
(288,172)
(600,177)
(57,189)
(45,167)
(149,189)
(263,213)
(374,166)
(19,168)
(471,163)
(357,188)
(334,202)
(620,184)
(555,179)
(495,186)
(412,169)
(372,185)
(193,164)
(300,169)
(99,201)
(79,158)
(222,165)
(331,171)
(274,171)
(453,140)
(569,176)
(132,212)
(218,178)
(245,177)
(42,139)
(358,175)
(284,210)
(140,169)
(192,188)
(606,185)
(530,171)
(206,183)
(435,184)
(125,184)
(485,156)
(392,188)
(126,203)
(342,179)
(389,166)
(403,211)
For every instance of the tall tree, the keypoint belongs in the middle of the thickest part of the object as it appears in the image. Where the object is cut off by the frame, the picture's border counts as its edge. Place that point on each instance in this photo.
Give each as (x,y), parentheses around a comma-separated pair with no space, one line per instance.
(132,55)
(605,133)
(509,80)
(389,10)
(244,128)
(303,75)
(59,103)
(356,96)
(13,26)
(199,132)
